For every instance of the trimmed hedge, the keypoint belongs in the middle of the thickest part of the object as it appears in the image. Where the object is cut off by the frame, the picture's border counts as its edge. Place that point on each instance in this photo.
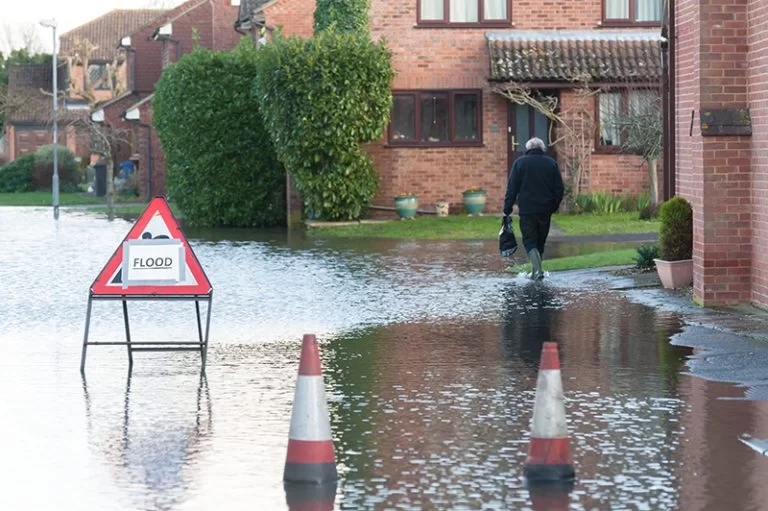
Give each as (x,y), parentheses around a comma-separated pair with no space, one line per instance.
(222,168)
(17,175)
(676,234)
(322,98)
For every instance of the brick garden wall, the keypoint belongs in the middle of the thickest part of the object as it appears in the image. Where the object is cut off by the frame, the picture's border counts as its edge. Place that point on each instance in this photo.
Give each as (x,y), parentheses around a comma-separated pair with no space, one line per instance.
(757,39)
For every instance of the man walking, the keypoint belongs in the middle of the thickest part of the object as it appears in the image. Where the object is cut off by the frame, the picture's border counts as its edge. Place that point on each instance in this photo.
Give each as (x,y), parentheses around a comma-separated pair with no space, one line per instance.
(536,186)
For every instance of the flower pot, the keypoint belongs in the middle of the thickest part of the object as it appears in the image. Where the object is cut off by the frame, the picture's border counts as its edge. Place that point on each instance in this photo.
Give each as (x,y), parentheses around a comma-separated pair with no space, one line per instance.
(674,274)
(441,208)
(474,202)
(406,206)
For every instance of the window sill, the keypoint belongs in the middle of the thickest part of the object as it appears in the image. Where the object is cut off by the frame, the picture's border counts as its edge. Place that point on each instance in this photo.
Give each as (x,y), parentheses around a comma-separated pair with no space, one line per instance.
(628,24)
(447,145)
(484,24)
(608,150)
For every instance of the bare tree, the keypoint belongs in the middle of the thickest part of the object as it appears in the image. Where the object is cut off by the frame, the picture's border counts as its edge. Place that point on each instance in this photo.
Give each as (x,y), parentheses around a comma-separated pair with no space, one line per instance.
(15,37)
(109,78)
(102,139)
(639,127)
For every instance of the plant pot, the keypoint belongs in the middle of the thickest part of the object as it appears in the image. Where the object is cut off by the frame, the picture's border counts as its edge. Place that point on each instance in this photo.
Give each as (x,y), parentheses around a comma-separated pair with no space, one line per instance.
(406,206)
(674,274)
(474,202)
(441,208)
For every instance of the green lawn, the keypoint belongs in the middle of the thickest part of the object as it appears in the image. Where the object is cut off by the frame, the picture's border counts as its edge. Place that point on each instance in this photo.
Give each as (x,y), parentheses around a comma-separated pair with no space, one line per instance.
(486,227)
(46,199)
(598,259)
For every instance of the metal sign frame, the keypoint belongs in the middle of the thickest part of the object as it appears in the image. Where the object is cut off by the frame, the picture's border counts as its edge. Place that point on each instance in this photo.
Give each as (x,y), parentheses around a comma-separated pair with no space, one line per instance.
(200,345)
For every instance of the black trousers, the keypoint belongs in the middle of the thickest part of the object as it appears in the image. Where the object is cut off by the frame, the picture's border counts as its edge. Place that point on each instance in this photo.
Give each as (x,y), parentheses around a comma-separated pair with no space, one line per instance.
(535,229)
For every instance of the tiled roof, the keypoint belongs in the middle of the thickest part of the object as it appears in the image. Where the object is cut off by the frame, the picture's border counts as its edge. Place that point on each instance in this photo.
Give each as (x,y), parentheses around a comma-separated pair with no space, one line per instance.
(29,92)
(106,31)
(564,55)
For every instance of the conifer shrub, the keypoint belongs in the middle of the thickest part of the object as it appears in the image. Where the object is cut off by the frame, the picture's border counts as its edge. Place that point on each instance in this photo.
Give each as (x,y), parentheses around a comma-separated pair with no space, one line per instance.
(676,234)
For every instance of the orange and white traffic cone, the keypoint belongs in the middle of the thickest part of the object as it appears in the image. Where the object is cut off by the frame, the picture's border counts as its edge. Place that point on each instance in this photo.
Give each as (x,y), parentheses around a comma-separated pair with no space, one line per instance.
(310,457)
(549,456)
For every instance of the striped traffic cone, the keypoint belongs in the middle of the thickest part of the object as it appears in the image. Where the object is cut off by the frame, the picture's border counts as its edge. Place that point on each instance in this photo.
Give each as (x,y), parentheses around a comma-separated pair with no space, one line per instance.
(310,457)
(549,456)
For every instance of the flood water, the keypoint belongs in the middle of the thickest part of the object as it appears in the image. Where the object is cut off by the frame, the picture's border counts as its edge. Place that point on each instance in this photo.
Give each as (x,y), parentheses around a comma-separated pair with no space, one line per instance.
(430,355)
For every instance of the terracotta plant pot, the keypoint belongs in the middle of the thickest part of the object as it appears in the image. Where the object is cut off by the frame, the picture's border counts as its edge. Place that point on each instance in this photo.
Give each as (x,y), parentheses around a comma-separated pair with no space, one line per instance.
(674,274)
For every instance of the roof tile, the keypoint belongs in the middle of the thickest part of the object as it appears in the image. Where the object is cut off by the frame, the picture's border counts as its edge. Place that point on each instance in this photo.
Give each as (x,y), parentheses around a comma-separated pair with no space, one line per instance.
(568,55)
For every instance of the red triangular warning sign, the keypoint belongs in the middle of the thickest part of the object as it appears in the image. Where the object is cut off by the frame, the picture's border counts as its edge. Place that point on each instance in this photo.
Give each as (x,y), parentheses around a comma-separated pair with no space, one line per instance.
(144,271)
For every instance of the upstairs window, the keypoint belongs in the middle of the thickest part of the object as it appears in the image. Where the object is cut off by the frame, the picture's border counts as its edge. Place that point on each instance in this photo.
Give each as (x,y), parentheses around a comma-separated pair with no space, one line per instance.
(98,76)
(464,12)
(641,12)
(436,118)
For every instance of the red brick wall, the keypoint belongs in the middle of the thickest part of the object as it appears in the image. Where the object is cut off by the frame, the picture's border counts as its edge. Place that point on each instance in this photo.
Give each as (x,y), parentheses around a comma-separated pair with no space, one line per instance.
(714,172)
(121,130)
(453,59)
(212,20)
(296,16)
(757,39)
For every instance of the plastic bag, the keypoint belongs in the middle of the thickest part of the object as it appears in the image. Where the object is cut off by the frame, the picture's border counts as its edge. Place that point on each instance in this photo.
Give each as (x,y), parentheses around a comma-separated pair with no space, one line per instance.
(507,241)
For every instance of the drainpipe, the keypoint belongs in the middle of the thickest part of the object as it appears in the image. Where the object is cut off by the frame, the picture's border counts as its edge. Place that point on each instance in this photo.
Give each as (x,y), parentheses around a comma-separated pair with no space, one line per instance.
(149,158)
(672,100)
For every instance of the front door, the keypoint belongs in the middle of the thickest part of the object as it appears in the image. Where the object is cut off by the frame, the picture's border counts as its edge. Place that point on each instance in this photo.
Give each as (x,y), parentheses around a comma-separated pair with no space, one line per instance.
(525,122)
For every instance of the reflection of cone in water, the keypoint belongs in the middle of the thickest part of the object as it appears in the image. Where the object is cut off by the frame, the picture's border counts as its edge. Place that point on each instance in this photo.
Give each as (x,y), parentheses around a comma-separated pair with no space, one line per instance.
(310,457)
(549,456)
(310,497)
(551,496)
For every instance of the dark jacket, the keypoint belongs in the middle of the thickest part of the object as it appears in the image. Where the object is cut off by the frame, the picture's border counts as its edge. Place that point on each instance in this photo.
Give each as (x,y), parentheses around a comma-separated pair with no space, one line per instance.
(535,184)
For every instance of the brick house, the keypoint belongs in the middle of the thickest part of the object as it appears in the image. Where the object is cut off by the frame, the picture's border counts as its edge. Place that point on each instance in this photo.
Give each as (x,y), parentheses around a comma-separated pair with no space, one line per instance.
(719,56)
(92,46)
(451,126)
(30,111)
(147,51)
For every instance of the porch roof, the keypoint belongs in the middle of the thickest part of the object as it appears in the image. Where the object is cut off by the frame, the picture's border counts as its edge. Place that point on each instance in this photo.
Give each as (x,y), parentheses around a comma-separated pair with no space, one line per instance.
(574,55)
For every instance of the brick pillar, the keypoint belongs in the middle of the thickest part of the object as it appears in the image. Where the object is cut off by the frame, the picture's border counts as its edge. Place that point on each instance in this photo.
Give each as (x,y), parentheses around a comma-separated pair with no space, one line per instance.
(713,172)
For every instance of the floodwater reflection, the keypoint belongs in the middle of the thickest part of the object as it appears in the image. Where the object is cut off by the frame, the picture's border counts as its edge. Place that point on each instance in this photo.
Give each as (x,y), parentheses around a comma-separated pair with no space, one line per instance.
(430,355)
(153,455)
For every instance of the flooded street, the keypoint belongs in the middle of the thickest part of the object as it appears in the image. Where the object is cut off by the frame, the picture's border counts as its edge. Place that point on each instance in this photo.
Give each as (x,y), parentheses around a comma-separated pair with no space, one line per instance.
(430,355)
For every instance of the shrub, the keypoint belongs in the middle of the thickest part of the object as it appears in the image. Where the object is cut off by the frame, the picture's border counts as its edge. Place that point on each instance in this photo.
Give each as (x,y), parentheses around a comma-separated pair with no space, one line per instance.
(222,167)
(17,175)
(649,212)
(342,16)
(676,235)
(645,256)
(70,175)
(42,177)
(604,203)
(322,98)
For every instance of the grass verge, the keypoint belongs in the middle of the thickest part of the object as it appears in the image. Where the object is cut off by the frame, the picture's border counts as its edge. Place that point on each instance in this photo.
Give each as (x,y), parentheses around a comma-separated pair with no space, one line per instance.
(580,262)
(486,227)
(46,199)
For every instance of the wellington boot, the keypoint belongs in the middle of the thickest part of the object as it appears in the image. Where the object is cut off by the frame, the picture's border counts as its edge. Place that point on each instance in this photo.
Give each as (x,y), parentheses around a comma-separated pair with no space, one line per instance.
(536,272)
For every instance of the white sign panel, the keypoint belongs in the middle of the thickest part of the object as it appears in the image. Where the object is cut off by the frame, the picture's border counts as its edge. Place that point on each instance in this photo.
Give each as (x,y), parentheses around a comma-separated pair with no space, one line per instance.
(153,262)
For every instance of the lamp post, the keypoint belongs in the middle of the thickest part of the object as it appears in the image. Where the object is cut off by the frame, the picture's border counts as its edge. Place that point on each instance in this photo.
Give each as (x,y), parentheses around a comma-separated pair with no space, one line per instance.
(51,23)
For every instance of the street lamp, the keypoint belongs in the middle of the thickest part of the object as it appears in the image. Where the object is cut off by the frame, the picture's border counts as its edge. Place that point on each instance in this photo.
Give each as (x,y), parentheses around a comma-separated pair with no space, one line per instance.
(51,23)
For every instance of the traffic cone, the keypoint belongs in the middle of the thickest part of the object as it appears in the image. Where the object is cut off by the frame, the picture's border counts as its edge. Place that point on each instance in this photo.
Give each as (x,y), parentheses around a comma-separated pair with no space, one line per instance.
(310,457)
(549,456)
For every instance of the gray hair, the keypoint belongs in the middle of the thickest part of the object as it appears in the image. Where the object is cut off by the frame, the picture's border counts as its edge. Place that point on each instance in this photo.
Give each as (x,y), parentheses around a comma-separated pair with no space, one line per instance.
(535,143)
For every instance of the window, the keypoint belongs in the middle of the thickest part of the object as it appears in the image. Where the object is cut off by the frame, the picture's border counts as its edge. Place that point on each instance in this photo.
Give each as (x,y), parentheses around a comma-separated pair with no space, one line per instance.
(98,76)
(464,12)
(614,107)
(425,118)
(648,12)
